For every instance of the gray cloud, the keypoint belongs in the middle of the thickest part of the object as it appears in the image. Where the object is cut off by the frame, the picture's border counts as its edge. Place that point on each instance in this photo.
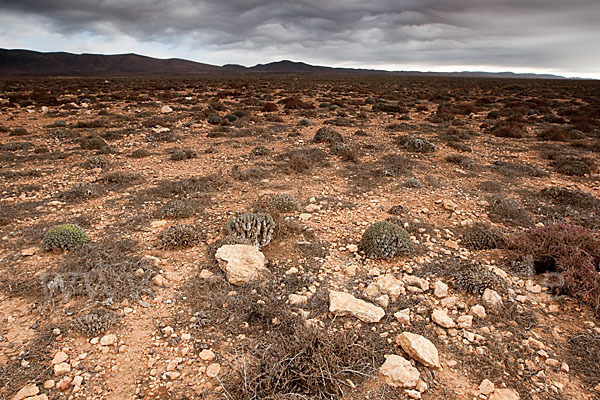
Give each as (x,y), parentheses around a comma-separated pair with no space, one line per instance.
(542,35)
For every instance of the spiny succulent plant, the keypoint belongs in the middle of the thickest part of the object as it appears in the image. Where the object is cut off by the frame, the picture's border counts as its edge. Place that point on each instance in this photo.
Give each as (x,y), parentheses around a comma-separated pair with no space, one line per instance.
(64,237)
(283,202)
(475,278)
(95,322)
(484,237)
(328,135)
(256,228)
(385,240)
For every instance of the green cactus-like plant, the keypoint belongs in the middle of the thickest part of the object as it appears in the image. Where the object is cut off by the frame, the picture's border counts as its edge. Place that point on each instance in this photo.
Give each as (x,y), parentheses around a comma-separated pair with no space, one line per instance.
(64,237)
(385,240)
(254,228)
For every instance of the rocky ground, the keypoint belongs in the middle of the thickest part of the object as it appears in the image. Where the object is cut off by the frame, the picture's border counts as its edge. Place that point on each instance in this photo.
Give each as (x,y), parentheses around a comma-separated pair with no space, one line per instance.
(222,240)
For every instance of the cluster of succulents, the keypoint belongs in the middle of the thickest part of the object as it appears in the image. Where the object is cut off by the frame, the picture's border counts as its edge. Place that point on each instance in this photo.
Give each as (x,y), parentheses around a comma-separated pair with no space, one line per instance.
(95,322)
(64,237)
(484,237)
(385,240)
(413,183)
(328,135)
(283,202)
(179,236)
(253,228)
(416,144)
(177,208)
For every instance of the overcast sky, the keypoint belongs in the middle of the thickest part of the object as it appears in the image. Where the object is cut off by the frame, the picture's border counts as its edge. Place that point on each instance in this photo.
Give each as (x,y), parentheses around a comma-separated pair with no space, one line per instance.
(555,36)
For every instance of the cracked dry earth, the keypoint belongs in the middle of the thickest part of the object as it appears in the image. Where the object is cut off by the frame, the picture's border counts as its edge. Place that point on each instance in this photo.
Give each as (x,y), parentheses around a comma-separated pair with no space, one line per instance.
(465,169)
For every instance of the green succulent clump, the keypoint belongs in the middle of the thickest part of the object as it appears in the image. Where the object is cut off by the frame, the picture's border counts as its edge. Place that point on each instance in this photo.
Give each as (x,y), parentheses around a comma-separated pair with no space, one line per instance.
(64,237)
(385,240)
(254,228)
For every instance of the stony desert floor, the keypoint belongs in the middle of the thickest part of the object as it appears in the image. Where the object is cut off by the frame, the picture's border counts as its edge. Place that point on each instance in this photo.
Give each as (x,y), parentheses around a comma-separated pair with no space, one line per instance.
(485,287)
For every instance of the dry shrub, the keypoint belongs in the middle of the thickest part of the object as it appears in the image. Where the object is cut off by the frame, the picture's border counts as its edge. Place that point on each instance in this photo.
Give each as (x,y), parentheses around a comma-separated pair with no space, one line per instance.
(82,191)
(179,236)
(571,197)
(295,103)
(513,170)
(255,307)
(508,130)
(37,355)
(570,250)
(507,210)
(189,186)
(584,356)
(100,271)
(574,166)
(304,362)
(461,160)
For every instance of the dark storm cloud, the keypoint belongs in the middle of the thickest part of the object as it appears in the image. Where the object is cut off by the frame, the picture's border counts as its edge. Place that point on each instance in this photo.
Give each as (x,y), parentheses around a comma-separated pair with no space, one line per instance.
(536,34)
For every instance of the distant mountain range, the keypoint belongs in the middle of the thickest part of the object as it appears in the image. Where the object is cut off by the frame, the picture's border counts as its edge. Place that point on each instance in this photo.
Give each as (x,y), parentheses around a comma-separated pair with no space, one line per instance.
(33,63)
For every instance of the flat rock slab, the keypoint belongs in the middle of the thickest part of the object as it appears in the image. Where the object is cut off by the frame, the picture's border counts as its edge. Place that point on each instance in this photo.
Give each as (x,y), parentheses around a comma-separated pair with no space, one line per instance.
(341,303)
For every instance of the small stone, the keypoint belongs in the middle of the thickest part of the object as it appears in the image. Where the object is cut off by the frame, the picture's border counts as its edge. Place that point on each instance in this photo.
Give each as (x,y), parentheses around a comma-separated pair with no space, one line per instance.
(397,371)
(504,394)
(403,316)
(479,311)
(77,381)
(533,287)
(62,368)
(29,252)
(26,391)
(206,274)
(186,336)
(564,367)
(296,299)
(440,289)
(441,318)
(352,248)
(60,357)
(486,387)
(305,216)
(465,321)
(49,384)
(166,109)
(213,370)
(419,348)
(207,355)
(452,244)
(415,281)
(108,340)
(413,394)
(312,208)
(449,205)
(159,280)
(491,299)
(173,375)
